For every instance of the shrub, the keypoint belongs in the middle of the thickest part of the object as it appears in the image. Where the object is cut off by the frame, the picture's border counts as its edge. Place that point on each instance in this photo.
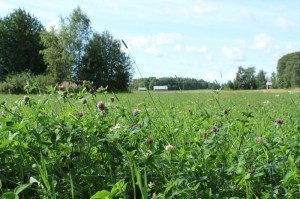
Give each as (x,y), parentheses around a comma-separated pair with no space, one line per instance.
(26,82)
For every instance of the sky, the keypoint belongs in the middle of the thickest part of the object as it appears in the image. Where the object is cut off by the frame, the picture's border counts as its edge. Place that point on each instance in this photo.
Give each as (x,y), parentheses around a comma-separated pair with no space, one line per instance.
(186,38)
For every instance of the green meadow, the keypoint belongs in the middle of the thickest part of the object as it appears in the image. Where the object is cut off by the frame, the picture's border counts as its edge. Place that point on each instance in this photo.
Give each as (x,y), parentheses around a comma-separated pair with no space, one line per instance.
(183,144)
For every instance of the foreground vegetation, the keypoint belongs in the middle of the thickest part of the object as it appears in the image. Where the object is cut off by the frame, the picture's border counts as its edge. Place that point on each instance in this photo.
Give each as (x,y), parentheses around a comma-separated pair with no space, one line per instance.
(212,144)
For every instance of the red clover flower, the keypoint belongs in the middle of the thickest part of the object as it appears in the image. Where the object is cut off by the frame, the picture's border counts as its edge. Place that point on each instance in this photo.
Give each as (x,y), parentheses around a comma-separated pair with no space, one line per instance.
(100,106)
(279,121)
(259,140)
(169,147)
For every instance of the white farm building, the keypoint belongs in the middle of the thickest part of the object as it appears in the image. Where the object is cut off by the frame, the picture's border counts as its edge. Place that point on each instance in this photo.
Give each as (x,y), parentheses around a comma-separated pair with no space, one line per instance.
(160,88)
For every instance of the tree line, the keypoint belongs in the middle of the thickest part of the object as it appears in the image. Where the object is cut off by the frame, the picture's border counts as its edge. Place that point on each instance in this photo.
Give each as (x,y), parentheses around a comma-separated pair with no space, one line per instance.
(73,51)
(173,83)
(70,52)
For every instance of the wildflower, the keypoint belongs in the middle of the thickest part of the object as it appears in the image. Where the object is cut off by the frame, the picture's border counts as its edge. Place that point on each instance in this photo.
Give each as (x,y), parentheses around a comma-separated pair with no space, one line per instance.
(154,196)
(149,141)
(100,106)
(148,153)
(279,121)
(80,113)
(136,111)
(151,184)
(266,102)
(169,147)
(26,98)
(214,129)
(115,127)
(259,140)
(83,101)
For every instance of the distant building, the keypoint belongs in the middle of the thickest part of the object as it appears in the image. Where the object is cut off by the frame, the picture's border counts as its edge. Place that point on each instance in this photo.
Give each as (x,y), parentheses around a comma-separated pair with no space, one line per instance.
(269,85)
(142,89)
(160,88)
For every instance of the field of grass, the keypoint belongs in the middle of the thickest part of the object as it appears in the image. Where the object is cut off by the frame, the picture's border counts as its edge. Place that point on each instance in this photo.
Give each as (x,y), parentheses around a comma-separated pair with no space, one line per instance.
(199,144)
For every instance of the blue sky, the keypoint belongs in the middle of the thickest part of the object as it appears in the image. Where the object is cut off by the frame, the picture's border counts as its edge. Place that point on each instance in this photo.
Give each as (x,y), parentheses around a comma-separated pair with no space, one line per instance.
(186,38)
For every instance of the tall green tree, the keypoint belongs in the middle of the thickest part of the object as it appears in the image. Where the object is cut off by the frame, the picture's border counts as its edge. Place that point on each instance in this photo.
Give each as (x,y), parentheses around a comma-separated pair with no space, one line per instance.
(65,45)
(261,80)
(56,56)
(20,44)
(288,70)
(245,78)
(105,64)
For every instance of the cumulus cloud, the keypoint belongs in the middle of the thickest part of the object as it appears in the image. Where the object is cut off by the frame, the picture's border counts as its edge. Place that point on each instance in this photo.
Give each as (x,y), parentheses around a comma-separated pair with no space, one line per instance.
(152,43)
(233,53)
(262,41)
(201,50)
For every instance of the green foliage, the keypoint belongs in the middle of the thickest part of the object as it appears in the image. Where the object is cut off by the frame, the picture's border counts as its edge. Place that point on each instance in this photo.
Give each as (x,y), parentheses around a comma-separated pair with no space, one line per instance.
(245,78)
(173,83)
(288,70)
(261,80)
(65,45)
(105,64)
(56,56)
(20,44)
(26,83)
(184,145)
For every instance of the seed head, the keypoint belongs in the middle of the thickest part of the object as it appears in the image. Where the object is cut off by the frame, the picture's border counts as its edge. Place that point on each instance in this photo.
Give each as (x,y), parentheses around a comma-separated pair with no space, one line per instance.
(169,147)
(100,106)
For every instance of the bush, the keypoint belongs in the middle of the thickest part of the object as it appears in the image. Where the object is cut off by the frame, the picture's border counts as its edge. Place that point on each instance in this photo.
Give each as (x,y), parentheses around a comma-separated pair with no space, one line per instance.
(15,84)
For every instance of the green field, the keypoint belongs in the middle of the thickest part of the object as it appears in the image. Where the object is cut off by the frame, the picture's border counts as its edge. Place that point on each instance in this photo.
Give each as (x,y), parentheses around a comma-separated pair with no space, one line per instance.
(184,144)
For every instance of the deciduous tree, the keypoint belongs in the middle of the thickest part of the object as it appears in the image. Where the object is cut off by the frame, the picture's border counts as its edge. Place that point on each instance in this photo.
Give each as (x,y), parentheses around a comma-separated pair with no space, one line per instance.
(20,44)
(105,63)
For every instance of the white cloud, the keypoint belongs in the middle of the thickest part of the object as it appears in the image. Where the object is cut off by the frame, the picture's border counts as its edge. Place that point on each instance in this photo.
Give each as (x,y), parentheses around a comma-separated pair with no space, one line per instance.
(133,42)
(152,43)
(54,23)
(262,41)
(283,23)
(202,50)
(198,9)
(233,54)
(154,50)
